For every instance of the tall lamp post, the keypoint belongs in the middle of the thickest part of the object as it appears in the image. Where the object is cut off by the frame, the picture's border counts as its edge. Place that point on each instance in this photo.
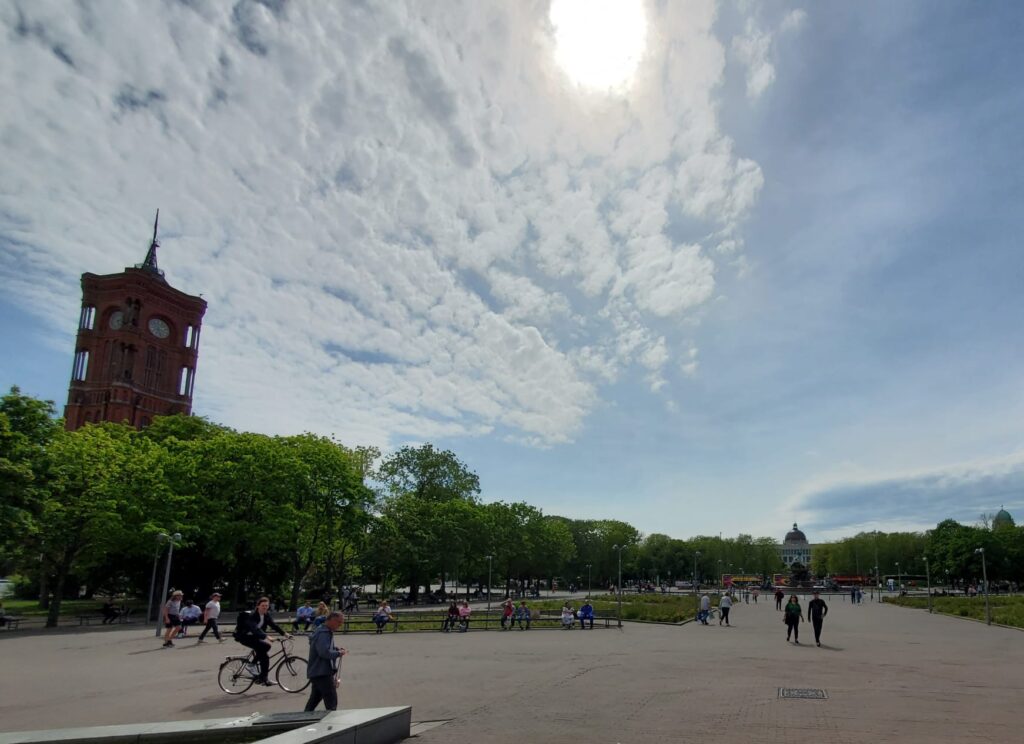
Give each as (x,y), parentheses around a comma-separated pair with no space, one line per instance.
(928,582)
(878,586)
(618,549)
(160,539)
(696,555)
(172,540)
(490,562)
(899,579)
(589,566)
(984,579)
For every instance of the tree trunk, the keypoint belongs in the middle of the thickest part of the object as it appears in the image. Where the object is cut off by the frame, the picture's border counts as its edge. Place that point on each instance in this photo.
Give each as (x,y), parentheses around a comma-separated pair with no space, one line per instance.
(297,574)
(44,587)
(58,594)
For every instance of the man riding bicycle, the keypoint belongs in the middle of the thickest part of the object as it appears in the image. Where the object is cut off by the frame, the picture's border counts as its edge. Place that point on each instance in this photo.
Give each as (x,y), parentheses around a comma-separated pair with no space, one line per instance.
(250,632)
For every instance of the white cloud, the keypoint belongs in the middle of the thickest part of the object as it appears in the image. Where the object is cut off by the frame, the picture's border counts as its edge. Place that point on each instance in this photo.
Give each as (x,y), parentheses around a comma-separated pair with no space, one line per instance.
(753,48)
(408,224)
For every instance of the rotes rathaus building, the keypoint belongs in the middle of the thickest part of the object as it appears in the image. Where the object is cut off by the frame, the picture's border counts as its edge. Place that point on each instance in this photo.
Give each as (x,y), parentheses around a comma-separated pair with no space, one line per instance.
(136,349)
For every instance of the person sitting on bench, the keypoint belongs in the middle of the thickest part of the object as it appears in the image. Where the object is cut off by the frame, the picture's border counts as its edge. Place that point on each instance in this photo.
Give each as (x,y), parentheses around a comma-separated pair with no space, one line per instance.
(382,616)
(110,612)
(586,613)
(523,615)
(303,617)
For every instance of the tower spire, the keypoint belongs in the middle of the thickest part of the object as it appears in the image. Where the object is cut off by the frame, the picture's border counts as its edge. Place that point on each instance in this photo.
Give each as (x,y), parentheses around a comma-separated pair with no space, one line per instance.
(150,263)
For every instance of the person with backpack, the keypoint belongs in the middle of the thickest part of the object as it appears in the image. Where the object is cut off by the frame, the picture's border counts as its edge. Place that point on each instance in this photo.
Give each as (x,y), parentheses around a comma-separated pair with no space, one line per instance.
(250,631)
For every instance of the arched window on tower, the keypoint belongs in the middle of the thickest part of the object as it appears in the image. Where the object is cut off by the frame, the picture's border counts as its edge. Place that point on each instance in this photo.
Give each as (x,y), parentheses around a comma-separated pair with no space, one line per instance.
(185,382)
(81,367)
(88,318)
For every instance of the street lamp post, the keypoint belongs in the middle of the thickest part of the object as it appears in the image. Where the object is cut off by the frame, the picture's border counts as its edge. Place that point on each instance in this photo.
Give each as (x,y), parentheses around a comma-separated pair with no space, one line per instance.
(878,586)
(490,562)
(618,549)
(172,540)
(899,579)
(928,581)
(984,579)
(589,566)
(696,555)
(152,581)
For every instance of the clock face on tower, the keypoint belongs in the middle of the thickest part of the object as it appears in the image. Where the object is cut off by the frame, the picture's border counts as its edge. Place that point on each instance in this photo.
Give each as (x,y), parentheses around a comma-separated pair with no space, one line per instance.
(159,328)
(116,320)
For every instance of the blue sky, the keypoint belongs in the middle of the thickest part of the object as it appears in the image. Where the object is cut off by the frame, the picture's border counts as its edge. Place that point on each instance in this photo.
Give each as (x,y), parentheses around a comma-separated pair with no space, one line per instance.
(772,277)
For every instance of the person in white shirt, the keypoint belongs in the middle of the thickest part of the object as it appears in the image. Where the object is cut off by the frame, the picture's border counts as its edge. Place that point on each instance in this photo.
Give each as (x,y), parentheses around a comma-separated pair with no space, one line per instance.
(705,608)
(724,605)
(210,615)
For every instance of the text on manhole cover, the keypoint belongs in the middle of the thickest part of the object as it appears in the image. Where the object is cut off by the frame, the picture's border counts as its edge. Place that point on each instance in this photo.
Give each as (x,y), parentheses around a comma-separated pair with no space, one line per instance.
(802,693)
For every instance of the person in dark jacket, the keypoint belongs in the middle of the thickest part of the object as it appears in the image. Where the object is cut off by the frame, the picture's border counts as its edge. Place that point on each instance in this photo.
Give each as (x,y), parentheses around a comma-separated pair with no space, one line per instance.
(817,610)
(324,662)
(250,632)
(793,615)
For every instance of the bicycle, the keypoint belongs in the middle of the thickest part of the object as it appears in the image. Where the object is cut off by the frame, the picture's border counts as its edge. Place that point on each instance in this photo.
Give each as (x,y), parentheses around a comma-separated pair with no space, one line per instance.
(238,673)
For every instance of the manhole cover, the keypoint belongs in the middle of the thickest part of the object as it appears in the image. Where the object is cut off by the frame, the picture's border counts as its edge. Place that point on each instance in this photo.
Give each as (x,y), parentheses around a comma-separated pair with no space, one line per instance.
(802,693)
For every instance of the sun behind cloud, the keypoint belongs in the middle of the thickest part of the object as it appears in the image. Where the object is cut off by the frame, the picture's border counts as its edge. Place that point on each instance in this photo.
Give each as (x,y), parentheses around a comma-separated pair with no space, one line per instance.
(599,43)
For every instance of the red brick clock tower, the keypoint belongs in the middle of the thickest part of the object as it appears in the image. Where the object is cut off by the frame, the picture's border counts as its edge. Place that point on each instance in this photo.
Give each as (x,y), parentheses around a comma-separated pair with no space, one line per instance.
(137,347)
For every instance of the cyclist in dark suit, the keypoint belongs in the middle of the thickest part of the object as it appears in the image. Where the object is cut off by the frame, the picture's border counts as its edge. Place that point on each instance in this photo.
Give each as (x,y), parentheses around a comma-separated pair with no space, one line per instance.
(250,631)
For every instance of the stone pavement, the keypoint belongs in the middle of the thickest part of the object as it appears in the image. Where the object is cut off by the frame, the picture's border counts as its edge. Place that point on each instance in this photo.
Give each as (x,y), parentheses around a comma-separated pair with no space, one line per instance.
(891,675)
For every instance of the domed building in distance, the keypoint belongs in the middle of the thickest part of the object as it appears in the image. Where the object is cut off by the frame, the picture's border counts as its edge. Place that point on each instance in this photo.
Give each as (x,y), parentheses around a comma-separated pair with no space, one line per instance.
(1002,519)
(795,548)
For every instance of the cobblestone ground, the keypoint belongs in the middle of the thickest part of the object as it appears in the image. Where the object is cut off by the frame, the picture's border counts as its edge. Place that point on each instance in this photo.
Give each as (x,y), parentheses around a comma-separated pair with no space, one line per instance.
(891,675)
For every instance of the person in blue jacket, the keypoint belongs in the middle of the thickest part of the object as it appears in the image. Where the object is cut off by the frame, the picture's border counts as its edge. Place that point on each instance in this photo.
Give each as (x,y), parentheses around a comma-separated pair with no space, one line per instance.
(324,661)
(586,612)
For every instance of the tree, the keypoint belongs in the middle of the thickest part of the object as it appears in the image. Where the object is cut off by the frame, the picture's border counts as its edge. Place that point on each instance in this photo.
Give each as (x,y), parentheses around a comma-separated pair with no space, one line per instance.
(106,489)
(429,474)
(328,502)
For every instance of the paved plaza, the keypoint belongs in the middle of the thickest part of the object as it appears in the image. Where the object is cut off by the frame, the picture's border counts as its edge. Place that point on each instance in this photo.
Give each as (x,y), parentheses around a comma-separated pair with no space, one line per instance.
(891,674)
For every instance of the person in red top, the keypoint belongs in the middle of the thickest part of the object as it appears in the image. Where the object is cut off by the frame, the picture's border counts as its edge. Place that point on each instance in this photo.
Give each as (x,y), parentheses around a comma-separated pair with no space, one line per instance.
(507,610)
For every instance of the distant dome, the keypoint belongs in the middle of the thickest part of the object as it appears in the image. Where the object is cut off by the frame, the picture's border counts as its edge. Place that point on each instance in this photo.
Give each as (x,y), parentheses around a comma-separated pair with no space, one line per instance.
(795,535)
(1002,519)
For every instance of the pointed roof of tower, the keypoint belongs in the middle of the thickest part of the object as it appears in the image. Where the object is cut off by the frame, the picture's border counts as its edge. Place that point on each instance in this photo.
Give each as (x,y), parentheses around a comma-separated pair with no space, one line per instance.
(149,264)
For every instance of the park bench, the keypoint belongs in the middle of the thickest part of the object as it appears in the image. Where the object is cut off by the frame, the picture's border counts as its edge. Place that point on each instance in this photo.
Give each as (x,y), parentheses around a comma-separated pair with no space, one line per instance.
(11,623)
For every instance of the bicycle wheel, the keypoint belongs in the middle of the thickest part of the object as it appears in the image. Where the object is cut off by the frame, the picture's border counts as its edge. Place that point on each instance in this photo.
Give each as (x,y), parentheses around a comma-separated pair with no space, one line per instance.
(291,674)
(234,676)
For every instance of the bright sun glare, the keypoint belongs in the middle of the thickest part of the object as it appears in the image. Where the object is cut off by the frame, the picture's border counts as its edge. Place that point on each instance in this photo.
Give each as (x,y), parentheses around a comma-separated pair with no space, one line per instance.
(599,43)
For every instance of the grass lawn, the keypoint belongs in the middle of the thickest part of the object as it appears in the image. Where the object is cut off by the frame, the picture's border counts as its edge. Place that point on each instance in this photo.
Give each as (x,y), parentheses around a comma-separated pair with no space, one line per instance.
(665,608)
(1005,610)
(68,608)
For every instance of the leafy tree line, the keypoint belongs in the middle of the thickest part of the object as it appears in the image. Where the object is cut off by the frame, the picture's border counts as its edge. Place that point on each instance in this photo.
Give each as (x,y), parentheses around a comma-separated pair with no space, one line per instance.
(298,516)
(951,550)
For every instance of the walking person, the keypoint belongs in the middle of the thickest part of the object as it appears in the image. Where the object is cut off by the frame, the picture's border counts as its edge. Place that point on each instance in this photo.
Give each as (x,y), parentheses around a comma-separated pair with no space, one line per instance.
(172,618)
(779,596)
(324,663)
(210,615)
(757,593)
(792,617)
(250,631)
(705,608)
(817,609)
(724,605)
